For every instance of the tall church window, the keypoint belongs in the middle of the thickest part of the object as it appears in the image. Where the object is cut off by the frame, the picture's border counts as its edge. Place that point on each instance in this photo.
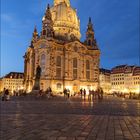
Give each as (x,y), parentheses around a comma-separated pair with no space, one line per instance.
(75,68)
(43,63)
(58,61)
(58,66)
(87,69)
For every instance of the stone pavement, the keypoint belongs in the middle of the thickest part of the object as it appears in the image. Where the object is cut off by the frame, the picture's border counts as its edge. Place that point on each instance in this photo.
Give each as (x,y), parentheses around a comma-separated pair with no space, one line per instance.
(27,118)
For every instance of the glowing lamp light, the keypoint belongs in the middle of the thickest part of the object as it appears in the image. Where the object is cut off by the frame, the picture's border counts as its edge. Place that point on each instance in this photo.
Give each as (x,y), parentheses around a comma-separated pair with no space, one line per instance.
(138,91)
(69,87)
(125,90)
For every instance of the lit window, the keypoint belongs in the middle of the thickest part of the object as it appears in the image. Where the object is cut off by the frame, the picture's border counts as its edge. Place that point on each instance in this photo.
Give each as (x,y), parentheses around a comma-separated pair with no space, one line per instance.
(58,66)
(75,65)
(59,86)
(87,69)
(58,61)
(43,63)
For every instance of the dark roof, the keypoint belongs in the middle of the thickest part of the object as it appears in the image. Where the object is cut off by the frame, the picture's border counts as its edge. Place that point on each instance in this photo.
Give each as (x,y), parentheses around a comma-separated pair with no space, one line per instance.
(121,66)
(126,69)
(129,69)
(136,71)
(118,69)
(14,75)
(105,71)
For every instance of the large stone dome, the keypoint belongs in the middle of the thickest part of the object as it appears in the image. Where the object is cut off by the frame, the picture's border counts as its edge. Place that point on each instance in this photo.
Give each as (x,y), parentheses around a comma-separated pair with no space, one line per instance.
(66,21)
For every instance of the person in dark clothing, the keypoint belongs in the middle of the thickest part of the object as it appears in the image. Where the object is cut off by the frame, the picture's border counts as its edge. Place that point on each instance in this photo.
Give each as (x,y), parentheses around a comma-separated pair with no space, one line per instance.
(81,92)
(7,97)
(65,92)
(101,92)
(84,94)
(68,93)
(93,94)
(49,91)
(3,95)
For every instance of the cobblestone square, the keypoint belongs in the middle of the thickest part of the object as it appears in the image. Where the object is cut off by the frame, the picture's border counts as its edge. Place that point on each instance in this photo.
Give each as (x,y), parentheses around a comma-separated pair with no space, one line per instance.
(27,118)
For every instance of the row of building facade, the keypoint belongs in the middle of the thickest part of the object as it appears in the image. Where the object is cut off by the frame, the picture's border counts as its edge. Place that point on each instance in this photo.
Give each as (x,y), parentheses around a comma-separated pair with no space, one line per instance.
(12,81)
(66,61)
(122,79)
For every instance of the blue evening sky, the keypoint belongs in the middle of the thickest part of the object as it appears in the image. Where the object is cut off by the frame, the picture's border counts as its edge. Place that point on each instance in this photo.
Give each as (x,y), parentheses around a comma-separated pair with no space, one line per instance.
(116,25)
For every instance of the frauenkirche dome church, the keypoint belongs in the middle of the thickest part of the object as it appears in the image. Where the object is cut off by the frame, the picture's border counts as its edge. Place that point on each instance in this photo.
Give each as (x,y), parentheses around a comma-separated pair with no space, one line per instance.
(65,61)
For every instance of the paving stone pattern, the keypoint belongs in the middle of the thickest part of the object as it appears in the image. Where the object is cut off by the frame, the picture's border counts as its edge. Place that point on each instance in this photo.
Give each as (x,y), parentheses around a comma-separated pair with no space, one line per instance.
(28,118)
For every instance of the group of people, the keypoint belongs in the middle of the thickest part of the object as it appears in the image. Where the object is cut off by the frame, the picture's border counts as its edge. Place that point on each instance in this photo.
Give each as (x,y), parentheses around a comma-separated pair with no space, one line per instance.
(47,93)
(19,93)
(129,95)
(98,94)
(91,94)
(5,95)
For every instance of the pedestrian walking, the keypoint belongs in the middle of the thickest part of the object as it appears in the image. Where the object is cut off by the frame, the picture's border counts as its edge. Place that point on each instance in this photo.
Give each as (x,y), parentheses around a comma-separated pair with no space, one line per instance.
(65,92)
(81,92)
(93,94)
(39,93)
(101,93)
(7,96)
(49,92)
(84,94)
(89,95)
(3,95)
(68,93)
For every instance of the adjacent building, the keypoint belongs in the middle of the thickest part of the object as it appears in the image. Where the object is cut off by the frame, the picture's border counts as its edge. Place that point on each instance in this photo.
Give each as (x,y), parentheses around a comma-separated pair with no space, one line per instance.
(122,79)
(136,80)
(125,79)
(12,81)
(65,61)
(105,82)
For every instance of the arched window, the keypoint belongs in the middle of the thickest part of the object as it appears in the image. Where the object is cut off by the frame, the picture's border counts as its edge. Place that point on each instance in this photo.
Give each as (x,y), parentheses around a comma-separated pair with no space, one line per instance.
(43,59)
(43,63)
(58,66)
(59,86)
(75,66)
(87,69)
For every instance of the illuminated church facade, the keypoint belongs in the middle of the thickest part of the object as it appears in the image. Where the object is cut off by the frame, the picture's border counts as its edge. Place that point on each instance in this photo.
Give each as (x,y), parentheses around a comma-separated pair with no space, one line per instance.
(65,61)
